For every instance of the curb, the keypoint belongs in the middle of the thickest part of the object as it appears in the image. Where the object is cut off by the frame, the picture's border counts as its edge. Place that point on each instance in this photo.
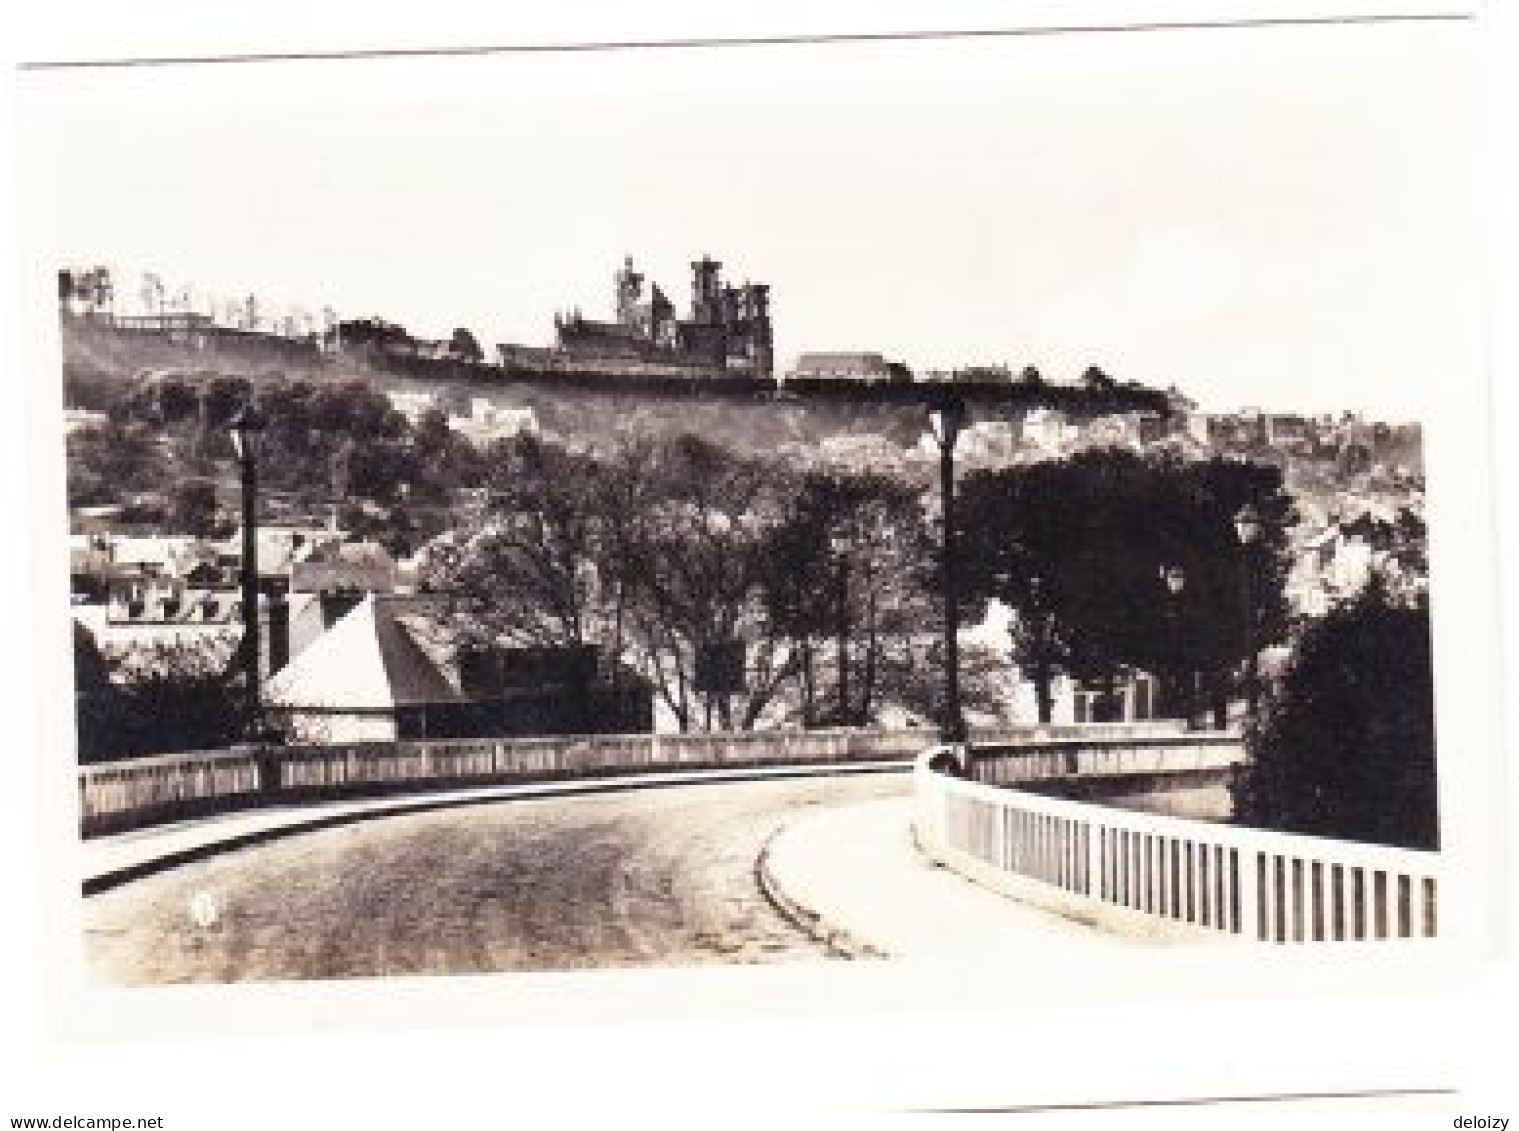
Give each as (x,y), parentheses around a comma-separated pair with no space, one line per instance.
(316,821)
(837,940)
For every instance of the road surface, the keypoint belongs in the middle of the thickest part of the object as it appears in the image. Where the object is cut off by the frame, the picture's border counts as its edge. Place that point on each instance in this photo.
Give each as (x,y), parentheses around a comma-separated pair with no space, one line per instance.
(648,877)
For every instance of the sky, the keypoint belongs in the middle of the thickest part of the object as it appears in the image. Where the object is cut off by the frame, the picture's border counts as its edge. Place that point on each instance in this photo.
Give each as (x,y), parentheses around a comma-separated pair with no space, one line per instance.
(1286,218)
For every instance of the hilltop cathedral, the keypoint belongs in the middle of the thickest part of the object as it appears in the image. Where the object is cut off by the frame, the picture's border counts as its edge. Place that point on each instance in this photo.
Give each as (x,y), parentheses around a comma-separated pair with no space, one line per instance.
(728,330)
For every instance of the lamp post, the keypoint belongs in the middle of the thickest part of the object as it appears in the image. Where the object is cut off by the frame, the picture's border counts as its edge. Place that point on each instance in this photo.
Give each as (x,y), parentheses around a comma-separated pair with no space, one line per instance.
(948,419)
(1247,525)
(1175,580)
(247,429)
(839,544)
(1041,620)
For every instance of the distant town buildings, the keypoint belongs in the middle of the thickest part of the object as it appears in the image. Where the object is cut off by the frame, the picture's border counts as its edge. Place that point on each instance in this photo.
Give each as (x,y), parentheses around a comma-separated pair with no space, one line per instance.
(489,421)
(137,593)
(1117,431)
(348,651)
(1049,431)
(335,606)
(997,373)
(413,403)
(849,366)
(991,441)
(485,420)
(77,419)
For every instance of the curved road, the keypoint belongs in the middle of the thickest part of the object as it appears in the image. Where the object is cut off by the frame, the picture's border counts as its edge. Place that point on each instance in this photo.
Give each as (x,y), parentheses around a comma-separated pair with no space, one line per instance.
(646,877)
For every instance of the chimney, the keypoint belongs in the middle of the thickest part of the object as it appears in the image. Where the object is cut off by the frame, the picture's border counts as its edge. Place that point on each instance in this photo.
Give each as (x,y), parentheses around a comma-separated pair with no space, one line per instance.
(276,629)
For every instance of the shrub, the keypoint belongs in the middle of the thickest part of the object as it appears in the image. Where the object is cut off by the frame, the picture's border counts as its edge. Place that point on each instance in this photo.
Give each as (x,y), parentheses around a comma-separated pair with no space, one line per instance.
(1346,746)
(163,699)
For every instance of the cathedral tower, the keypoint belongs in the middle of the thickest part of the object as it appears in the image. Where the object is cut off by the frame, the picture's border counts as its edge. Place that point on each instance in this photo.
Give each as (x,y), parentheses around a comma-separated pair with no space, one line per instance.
(629,284)
(706,291)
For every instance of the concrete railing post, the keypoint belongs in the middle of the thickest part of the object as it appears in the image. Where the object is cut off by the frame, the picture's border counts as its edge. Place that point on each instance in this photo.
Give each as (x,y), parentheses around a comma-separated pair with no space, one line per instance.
(269,761)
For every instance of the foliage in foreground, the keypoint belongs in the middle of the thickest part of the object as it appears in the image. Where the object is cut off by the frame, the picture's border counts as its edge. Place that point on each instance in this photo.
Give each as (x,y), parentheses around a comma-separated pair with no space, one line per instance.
(1346,747)
(162,700)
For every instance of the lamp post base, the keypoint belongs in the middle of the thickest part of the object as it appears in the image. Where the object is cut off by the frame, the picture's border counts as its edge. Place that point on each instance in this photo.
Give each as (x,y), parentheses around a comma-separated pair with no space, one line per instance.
(956,737)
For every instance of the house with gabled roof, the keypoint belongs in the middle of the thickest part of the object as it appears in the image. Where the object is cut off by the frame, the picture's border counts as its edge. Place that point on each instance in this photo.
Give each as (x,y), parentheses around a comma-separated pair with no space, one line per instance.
(385,671)
(365,679)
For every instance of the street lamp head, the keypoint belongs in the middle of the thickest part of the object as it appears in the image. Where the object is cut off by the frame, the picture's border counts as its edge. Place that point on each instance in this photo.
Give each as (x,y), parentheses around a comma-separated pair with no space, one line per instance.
(1175,578)
(948,420)
(1247,524)
(247,426)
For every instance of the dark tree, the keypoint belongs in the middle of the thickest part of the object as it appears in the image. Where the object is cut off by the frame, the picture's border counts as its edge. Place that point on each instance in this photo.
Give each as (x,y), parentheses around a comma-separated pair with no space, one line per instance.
(1076,548)
(354,409)
(655,551)
(109,462)
(1014,539)
(382,470)
(444,460)
(221,400)
(533,572)
(1239,600)
(912,678)
(335,439)
(848,564)
(193,506)
(692,567)
(1346,748)
(98,707)
(528,574)
(322,439)
(163,699)
(175,400)
(795,591)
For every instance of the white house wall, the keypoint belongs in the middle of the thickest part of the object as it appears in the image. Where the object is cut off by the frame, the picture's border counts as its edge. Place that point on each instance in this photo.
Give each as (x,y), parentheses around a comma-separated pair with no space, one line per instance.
(319,728)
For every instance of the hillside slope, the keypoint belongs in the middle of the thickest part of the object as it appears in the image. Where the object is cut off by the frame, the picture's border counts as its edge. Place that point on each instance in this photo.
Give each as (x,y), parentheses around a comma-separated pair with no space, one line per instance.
(102,363)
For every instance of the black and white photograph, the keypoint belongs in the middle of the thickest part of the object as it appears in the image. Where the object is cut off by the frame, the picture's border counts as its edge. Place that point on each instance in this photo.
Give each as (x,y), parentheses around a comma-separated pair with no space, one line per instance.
(958,501)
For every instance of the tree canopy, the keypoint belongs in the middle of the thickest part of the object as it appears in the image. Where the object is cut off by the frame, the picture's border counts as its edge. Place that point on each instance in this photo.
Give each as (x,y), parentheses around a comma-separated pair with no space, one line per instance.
(160,699)
(1078,548)
(1346,748)
(322,441)
(850,562)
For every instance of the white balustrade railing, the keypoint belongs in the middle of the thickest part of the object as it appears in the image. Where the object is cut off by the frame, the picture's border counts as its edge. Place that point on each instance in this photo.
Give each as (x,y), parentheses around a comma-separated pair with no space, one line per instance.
(369,763)
(1107,755)
(165,787)
(167,782)
(1199,877)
